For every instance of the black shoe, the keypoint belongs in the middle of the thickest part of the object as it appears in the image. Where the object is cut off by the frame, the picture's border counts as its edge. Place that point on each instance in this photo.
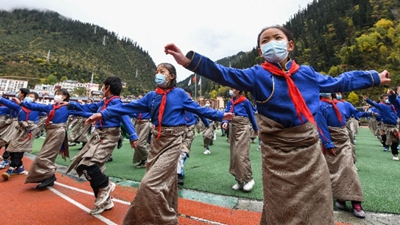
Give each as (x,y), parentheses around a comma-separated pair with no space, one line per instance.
(180,180)
(48,182)
(119,143)
(110,159)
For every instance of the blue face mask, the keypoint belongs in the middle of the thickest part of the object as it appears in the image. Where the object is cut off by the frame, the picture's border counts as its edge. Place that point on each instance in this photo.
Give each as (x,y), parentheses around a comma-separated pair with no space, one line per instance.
(160,80)
(275,51)
(231,93)
(338,97)
(387,101)
(28,99)
(17,95)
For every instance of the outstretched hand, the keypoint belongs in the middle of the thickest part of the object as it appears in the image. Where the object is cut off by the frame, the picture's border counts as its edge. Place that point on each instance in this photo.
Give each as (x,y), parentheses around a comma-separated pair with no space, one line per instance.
(365,97)
(16,100)
(94,117)
(228,116)
(179,57)
(390,92)
(384,77)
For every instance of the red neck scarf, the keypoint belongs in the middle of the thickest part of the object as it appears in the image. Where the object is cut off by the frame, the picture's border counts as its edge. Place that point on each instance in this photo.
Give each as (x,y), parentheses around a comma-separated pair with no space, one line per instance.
(333,103)
(164,93)
(27,111)
(294,93)
(237,101)
(51,114)
(106,102)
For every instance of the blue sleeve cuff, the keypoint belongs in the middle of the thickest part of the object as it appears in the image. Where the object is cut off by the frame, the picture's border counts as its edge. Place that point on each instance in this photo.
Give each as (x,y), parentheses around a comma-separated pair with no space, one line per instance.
(133,137)
(194,60)
(329,145)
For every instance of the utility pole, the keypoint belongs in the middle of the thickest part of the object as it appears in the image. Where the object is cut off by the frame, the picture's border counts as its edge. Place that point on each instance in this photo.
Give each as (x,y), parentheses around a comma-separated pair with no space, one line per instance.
(195,87)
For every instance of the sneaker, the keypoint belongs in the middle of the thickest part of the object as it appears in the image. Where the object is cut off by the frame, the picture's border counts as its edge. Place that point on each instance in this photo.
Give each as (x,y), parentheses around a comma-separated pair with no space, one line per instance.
(110,159)
(207,152)
(107,205)
(19,170)
(142,164)
(259,148)
(6,175)
(4,163)
(248,186)
(395,158)
(238,186)
(180,180)
(71,143)
(385,149)
(358,210)
(104,194)
(341,205)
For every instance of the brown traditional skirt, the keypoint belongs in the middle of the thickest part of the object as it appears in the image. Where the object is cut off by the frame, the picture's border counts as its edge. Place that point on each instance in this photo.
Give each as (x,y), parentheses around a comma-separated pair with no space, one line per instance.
(156,200)
(43,166)
(24,136)
(345,182)
(97,150)
(296,183)
(188,138)
(392,133)
(143,129)
(9,129)
(79,131)
(240,165)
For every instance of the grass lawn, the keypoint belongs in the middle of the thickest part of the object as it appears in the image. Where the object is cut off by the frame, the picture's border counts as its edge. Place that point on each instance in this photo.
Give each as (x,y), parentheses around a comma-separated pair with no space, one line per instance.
(379,174)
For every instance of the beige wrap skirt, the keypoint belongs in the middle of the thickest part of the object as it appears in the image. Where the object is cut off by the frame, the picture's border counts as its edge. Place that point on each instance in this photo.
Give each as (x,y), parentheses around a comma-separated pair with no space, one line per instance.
(240,165)
(44,166)
(345,182)
(143,129)
(97,150)
(296,183)
(156,200)
(79,131)
(24,136)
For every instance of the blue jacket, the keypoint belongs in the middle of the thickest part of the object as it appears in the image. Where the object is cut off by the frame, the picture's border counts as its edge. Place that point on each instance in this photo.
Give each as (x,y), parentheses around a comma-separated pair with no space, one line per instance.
(264,85)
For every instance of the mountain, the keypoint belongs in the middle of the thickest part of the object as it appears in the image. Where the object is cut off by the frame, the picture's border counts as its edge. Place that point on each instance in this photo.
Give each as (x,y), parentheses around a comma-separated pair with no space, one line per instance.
(334,36)
(76,51)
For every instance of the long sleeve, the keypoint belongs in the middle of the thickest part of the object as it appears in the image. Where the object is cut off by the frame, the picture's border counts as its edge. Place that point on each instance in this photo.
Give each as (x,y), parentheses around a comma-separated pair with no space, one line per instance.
(126,120)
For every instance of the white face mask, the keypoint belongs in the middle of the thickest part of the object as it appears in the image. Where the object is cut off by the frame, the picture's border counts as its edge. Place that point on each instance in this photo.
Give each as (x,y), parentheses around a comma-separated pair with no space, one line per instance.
(28,99)
(275,51)
(58,98)
(207,105)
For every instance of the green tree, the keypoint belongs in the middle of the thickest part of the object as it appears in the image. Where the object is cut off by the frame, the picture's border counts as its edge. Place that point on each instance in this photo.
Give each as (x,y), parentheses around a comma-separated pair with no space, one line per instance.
(51,79)
(353,98)
(79,91)
(63,78)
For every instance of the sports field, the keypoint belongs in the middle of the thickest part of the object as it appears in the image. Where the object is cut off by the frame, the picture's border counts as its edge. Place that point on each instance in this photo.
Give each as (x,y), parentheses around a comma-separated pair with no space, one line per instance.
(379,174)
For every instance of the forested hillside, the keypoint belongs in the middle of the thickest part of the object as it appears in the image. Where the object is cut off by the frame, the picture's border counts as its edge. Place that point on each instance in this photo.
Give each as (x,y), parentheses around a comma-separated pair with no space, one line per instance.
(76,51)
(334,36)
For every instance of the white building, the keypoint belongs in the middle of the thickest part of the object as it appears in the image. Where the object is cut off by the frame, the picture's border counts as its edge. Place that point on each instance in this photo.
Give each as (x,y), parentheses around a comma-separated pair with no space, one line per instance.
(10,85)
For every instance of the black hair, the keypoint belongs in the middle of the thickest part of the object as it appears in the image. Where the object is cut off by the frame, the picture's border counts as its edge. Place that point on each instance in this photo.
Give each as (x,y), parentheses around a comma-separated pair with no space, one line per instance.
(281,28)
(171,69)
(115,85)
(188,90)
(35,94)
(333,95)
(383,95)
(24,91)
(64,92)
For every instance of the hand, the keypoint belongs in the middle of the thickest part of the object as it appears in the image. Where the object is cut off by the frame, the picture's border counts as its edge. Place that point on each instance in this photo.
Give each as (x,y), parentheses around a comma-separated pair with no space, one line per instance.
(94,117)
(384,76)
(390,92)
(64,103)
(256,133)
(224,126)
(228,116)
(365,97)
(16,100)
(179,57)
(134,144)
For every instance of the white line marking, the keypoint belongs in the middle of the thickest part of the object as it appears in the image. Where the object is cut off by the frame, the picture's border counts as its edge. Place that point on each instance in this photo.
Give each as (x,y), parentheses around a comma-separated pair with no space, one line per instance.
(128,203)
(79,205)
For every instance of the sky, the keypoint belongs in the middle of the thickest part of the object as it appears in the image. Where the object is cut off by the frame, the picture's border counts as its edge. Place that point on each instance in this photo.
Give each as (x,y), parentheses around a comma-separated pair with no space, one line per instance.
(214,28)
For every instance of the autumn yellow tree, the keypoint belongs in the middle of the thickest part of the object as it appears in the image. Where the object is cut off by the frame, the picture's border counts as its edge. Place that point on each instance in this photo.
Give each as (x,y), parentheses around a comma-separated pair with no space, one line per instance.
(353,98)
